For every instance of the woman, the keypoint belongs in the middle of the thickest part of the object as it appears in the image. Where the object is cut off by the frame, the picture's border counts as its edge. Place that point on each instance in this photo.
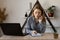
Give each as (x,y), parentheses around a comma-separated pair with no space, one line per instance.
(36,22)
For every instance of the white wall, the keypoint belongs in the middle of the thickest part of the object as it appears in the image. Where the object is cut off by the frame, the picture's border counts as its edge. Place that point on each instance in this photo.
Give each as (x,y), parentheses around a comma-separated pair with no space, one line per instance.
(17,8)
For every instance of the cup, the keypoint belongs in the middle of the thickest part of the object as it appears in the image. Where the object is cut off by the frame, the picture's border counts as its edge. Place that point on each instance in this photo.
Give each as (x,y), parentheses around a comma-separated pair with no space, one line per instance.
(55,35)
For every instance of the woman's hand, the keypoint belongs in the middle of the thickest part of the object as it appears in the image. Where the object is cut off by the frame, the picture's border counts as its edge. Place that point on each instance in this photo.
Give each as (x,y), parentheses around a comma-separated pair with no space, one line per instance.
(34,32)
(41,18)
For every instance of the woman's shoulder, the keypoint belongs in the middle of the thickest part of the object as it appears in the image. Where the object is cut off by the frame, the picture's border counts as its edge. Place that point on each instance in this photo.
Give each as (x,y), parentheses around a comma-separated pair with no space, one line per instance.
(30,18)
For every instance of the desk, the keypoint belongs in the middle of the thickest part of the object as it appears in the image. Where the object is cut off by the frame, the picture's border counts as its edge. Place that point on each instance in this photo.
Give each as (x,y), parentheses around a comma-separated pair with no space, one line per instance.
(46,36)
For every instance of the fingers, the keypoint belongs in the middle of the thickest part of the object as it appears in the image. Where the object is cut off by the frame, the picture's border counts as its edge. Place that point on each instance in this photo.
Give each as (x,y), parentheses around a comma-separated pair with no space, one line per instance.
(34,32)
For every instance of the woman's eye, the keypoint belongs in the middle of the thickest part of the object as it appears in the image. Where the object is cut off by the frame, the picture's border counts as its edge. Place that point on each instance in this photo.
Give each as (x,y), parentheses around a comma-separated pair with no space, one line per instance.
(35,12)
(38,12)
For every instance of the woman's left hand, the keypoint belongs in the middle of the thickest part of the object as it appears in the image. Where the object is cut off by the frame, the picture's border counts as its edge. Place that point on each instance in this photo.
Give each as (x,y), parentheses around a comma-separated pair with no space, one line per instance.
(41,18)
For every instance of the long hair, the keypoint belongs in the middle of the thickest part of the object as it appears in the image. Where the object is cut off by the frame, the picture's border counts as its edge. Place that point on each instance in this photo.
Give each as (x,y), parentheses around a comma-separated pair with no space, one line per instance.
(42,13)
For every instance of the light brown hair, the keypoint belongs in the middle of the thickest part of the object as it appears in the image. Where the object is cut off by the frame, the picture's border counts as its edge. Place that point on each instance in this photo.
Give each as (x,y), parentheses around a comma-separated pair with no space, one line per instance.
(37,7)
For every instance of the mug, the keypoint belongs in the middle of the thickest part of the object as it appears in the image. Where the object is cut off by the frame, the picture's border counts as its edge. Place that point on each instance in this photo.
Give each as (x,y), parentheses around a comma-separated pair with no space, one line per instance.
(55,35)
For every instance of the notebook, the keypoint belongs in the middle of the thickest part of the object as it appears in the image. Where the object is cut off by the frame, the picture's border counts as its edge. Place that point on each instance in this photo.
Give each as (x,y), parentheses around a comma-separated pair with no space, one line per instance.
(36,35)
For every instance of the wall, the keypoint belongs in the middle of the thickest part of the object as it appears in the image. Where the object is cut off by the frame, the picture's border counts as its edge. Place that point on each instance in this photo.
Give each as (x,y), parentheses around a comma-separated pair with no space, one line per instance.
(17,8)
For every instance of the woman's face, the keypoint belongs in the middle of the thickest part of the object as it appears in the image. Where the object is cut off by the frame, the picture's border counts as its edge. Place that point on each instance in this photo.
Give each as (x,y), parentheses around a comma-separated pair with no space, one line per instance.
(37,13)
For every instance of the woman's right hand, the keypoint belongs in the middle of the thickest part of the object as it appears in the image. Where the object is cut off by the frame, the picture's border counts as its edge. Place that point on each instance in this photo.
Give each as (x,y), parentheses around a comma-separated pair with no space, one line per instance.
(34,32)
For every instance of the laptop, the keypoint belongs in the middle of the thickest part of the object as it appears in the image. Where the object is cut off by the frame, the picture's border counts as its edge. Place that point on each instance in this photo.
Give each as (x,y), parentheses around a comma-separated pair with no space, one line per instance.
(11,29)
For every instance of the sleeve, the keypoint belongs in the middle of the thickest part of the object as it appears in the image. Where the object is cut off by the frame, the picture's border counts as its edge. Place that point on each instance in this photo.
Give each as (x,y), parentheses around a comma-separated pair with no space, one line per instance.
(42,27)
(27,28)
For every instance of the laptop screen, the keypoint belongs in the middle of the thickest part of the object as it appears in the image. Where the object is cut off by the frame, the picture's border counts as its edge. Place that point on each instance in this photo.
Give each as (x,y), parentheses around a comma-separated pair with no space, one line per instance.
(11,28)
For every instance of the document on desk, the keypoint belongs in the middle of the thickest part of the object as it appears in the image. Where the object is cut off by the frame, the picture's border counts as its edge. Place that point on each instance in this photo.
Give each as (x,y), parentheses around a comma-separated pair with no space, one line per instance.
(36,35)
